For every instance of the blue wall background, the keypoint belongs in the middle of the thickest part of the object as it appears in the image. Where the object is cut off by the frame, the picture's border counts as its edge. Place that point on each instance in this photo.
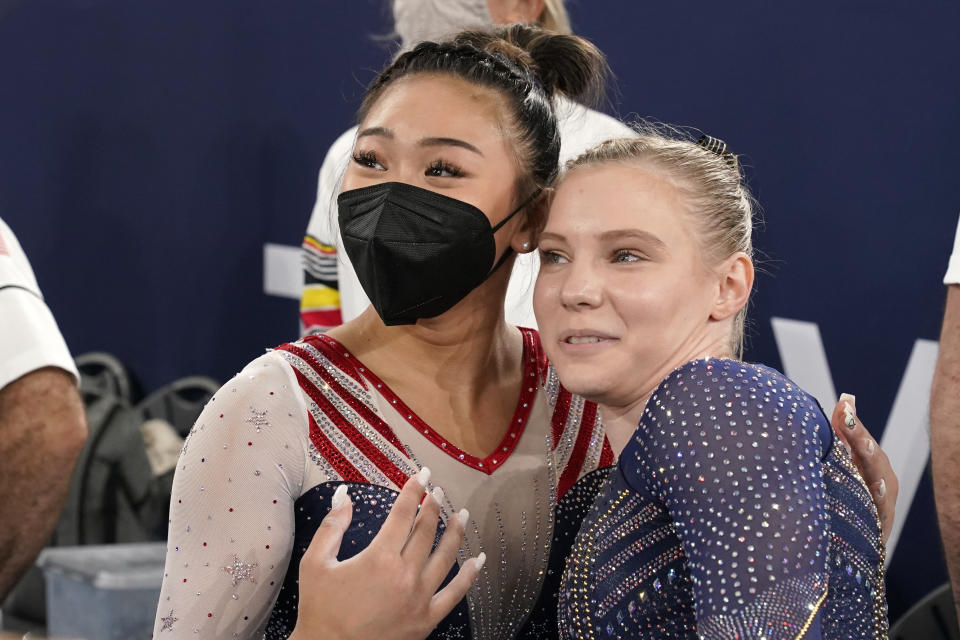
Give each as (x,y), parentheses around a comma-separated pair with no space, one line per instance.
(150,148)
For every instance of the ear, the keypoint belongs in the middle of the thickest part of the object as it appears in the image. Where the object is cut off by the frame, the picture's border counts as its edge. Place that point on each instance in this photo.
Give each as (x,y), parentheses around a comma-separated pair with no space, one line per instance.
(736,282)
(534,9)
(528,11)
(524,239)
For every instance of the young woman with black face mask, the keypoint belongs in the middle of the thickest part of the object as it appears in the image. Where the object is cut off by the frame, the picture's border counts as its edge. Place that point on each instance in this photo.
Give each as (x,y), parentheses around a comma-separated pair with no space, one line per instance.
(456,143)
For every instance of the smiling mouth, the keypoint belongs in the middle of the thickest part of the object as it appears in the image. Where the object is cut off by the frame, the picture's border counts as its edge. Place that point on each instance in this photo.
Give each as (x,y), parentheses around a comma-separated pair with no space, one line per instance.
(587,340)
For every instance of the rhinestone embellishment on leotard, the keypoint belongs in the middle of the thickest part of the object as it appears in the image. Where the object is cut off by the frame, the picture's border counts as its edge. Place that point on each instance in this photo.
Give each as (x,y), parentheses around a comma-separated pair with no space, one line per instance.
(719,521)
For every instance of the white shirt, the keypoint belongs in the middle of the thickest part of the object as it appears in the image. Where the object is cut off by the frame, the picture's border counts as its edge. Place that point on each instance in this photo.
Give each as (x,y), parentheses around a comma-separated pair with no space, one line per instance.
(953,268)
(580,129)
(29,336)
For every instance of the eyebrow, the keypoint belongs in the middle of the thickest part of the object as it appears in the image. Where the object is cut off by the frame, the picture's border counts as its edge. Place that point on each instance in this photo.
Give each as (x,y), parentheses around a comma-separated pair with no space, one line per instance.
(615,234)
(376,131)
(383,132)
(449,142)
(638,234)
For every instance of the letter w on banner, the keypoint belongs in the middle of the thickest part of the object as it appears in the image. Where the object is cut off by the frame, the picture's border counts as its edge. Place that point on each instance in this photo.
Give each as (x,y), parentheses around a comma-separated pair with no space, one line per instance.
(906,438)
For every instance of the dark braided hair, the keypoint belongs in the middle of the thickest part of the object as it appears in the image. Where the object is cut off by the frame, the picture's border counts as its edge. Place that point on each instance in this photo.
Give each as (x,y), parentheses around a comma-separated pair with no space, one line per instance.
(528,67)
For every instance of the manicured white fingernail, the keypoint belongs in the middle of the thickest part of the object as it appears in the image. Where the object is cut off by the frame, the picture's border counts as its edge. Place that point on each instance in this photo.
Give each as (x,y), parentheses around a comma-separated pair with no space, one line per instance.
(462,516)
(871,447)
(339,497)
(849,418)
(850,399)
(480,560)
(437,495)
(882,489)
(423,477)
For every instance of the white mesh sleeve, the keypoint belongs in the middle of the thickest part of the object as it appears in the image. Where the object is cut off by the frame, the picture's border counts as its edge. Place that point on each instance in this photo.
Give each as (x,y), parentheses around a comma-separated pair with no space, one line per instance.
(231,512)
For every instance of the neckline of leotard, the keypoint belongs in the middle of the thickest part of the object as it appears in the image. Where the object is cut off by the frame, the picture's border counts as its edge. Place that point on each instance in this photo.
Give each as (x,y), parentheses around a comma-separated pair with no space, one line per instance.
(533,366)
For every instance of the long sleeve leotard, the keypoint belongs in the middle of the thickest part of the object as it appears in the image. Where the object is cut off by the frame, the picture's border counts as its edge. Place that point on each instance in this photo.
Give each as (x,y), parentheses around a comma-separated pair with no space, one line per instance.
(258,471)
(732,514)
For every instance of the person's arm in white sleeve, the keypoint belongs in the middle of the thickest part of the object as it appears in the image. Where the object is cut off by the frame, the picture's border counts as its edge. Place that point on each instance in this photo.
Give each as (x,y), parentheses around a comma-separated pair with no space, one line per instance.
(42,422)
(320,301)
(232,507)
(945,423)
(953,267)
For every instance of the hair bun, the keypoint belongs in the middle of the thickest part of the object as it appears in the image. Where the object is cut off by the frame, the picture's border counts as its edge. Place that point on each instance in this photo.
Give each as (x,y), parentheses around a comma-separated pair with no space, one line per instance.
(561,64)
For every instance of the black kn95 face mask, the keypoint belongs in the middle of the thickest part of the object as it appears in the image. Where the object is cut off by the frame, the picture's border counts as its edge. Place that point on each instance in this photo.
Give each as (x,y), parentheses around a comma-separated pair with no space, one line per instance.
(416,252)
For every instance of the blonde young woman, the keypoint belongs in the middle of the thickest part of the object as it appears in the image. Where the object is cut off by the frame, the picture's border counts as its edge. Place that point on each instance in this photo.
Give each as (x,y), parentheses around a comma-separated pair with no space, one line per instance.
(733,511)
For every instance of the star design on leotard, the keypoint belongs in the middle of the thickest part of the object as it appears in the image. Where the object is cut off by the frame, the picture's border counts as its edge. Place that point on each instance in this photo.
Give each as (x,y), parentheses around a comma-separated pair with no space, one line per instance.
(539,629)
(186,443)
(454,633)
(240,571)
(168,622)
(258,419)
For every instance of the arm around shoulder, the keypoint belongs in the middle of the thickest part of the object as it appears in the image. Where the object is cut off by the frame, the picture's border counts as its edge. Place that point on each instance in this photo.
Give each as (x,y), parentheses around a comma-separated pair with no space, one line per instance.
(730,449)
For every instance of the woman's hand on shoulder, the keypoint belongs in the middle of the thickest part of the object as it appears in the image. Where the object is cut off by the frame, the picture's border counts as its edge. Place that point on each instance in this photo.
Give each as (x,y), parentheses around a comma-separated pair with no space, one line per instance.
(390,589)
(873,463)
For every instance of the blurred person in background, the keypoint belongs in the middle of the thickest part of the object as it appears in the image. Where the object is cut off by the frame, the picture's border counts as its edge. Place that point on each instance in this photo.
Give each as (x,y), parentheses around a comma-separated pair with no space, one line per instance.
(42,421)
(945,423)
(332,293)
